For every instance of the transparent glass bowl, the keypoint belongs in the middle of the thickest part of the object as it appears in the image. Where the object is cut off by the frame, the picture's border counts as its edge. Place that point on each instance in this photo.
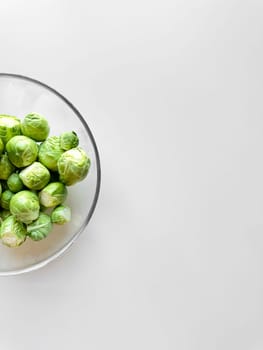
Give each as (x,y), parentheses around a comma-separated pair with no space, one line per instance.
(20,95)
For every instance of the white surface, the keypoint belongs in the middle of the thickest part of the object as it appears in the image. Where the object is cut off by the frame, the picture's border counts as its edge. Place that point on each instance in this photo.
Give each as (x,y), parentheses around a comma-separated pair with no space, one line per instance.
(172,258)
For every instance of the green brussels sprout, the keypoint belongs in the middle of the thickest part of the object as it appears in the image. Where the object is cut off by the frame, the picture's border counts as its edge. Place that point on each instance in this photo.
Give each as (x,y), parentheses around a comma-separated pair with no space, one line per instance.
(5,199)
(14,183)
(4,214)
(35,176)
(73,166)
(9,127)
(40,228)
(49,152)
(24,205)
(6,167)
(2,146)
(61,215)
(69,140)
(13,233)
(35,126)
(22,151)
(53,194)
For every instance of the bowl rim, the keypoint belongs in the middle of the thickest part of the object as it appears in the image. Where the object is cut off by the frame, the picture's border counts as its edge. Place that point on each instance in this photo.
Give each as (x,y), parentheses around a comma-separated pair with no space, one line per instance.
(66,246)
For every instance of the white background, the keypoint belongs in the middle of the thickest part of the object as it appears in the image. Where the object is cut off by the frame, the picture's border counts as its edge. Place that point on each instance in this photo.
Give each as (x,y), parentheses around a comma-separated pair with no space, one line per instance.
(172,258)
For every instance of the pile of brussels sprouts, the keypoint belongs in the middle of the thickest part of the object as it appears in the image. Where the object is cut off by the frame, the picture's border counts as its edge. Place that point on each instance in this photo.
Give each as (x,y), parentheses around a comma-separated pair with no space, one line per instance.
(34,171)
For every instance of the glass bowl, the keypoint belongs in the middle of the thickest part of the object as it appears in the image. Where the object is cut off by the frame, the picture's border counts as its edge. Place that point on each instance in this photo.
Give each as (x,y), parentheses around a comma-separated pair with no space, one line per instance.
(20,95)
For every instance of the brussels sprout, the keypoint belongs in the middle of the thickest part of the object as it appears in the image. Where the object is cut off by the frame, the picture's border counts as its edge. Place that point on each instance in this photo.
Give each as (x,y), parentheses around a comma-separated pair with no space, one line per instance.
(53,194)
(22,151)
(40,228)
(14,183)
(25,206)
(73,166)
(6,167)
(69,140)
(2,146)
(61,215)
(5,199)
(9,127)
(4,214)
(13,233)
(35,126)
(49,152)
(35,176)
